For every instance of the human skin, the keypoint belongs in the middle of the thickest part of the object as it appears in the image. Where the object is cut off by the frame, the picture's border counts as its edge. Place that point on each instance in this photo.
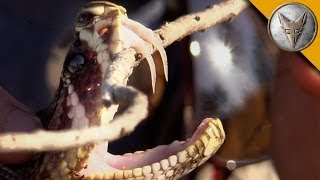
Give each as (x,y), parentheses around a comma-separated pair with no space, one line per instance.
(15,117)
(295,117)
(27,31)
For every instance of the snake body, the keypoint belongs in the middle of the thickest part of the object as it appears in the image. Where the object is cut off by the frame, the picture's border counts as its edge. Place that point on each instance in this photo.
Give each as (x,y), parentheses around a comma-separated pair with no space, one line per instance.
(103,30)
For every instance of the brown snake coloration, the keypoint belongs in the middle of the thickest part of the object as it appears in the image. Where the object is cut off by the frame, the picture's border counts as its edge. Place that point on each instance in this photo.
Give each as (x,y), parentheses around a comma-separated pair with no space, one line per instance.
(103,30)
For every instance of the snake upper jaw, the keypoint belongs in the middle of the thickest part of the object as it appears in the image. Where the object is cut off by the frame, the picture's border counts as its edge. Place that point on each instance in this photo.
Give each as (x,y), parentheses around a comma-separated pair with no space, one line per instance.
(102,22)
(136,36)
(128,34)
(149,36)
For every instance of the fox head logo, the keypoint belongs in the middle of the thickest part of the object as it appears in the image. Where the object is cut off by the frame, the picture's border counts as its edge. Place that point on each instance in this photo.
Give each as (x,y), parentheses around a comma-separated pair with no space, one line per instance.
(292,29)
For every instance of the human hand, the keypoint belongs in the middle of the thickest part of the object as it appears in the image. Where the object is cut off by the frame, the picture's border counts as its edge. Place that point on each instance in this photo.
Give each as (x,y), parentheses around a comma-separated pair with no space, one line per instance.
(295,116)
(15,117)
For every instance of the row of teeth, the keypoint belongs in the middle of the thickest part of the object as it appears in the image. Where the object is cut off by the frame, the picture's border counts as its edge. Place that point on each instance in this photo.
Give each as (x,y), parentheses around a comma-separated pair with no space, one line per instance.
(141,152)
(176,165)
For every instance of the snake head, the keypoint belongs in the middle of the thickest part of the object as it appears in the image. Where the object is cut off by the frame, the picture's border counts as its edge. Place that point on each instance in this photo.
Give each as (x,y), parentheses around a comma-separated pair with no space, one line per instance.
(105,29)
(94,11)
(102,30)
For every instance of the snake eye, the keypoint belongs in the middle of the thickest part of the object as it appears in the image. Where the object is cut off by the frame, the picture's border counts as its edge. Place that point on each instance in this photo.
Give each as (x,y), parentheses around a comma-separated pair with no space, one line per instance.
(76,63)
(85,19)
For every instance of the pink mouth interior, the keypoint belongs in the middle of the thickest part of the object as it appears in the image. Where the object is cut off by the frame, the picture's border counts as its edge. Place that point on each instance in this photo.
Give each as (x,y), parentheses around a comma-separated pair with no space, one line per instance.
(101,161)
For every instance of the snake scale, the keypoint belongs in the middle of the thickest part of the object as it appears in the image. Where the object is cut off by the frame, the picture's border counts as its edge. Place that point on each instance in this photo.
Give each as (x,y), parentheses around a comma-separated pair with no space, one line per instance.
(102,29)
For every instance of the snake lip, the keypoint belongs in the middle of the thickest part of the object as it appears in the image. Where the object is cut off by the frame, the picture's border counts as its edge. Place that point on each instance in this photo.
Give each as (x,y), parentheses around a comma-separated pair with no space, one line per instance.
(207,133)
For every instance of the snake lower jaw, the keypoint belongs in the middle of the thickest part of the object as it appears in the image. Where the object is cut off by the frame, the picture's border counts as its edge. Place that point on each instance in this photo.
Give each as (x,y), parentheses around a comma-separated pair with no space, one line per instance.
(165,161)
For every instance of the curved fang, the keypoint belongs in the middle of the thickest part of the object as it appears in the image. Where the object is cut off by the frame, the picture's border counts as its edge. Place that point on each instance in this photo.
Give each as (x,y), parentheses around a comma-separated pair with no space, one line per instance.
(149,36)
(151,63)
(134,41)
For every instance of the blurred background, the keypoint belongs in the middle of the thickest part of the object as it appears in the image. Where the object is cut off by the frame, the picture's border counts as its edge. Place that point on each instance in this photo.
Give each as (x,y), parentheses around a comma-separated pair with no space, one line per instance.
(223,72)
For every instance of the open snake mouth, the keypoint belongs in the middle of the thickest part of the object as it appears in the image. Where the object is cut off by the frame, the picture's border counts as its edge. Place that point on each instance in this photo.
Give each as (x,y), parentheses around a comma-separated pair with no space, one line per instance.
(103,30)
(161,162)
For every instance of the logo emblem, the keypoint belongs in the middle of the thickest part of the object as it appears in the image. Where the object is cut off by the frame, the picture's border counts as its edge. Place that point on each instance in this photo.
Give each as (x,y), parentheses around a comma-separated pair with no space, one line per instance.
(293,27)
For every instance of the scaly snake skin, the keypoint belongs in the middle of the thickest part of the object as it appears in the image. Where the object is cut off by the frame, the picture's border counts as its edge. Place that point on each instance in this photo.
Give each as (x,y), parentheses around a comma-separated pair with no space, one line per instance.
(103,30)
